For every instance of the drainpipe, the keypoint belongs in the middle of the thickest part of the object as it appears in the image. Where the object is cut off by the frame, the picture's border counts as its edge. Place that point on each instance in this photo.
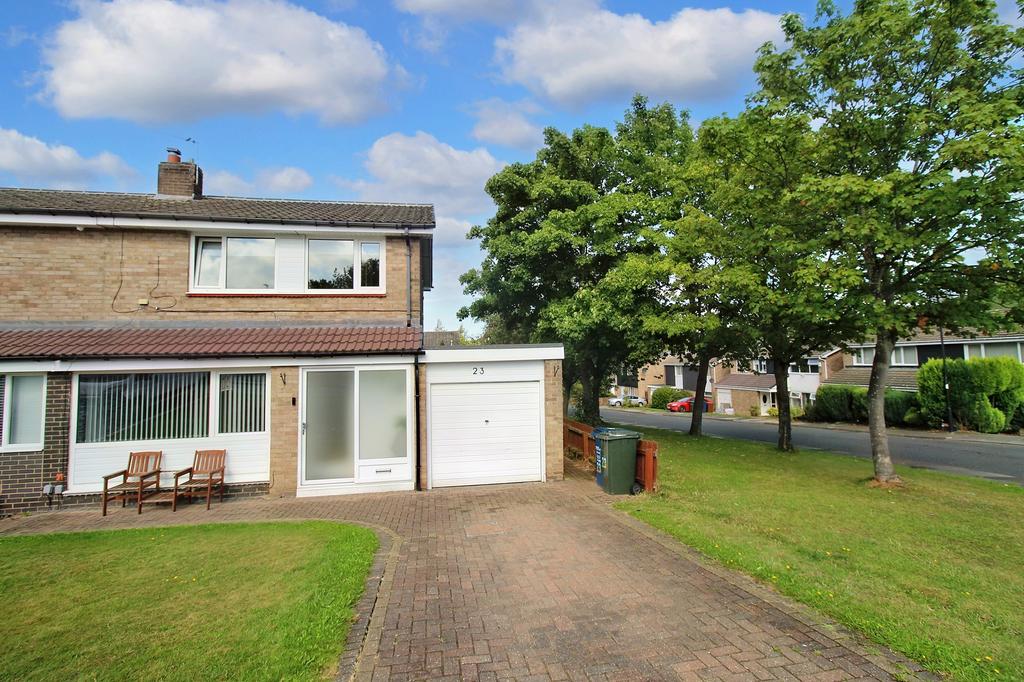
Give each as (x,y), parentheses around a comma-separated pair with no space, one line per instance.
(416,393)
(408,274)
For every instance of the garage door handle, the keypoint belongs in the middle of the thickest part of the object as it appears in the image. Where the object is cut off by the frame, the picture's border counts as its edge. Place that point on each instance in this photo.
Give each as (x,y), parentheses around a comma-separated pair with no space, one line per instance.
(487,421)
(383,471)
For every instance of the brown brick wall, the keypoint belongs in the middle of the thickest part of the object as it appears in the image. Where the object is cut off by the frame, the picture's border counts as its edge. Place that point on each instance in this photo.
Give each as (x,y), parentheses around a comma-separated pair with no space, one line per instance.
(23,474)
(742,401)
(57,274)
(554,416)
(284,431)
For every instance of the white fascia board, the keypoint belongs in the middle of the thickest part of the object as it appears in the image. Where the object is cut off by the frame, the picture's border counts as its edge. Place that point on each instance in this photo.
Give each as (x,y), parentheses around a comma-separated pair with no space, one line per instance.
(493,354)
(187,225)
(163,364)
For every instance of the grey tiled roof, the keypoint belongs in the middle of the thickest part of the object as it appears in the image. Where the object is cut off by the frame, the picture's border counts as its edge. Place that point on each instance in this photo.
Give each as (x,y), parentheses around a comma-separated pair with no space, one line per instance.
(901,379)
(933,337)
(213,208)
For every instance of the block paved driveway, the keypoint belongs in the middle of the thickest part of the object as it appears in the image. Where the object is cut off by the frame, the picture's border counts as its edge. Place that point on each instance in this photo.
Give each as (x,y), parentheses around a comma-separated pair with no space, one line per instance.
(541,582)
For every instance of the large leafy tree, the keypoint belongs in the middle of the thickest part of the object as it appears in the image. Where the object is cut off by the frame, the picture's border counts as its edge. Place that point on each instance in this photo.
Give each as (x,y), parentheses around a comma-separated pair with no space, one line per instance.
(670,293)
(919,156)
(563,221)
(774,254)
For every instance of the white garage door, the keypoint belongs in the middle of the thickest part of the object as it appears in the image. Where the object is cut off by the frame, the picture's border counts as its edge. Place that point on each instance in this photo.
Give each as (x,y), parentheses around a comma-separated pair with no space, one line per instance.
(485,433)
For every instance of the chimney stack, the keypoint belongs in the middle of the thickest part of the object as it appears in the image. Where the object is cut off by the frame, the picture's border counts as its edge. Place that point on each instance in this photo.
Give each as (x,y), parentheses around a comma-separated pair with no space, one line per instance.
(179,179)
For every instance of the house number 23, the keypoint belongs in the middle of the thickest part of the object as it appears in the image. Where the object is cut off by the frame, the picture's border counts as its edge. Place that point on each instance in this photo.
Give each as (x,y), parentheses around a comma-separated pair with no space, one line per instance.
(478,370)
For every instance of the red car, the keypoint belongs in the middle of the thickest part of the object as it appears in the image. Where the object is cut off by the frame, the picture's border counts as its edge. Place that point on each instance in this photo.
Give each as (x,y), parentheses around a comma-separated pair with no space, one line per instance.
(686,405)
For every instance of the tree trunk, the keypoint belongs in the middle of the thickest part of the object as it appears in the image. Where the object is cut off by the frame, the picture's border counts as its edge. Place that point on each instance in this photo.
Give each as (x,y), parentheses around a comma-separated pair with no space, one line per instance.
(697,416)
(591,407)
(569,376)
(884,472)
(782,400)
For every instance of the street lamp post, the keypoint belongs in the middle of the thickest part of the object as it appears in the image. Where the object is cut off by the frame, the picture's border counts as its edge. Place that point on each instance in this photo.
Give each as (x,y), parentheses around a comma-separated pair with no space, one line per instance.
(945,380)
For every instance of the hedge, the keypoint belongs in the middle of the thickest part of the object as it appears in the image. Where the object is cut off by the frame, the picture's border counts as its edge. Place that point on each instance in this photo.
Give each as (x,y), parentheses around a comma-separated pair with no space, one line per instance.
(985,394)
(666,394)
(841,403)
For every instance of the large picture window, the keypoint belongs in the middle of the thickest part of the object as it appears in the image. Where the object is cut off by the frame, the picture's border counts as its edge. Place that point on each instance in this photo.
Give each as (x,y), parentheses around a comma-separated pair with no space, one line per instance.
(331,264)
(24,400)
(129,407)
(235,263)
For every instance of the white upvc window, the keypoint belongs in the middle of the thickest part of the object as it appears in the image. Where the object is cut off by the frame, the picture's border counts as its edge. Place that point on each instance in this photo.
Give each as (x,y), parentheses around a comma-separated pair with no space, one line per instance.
(904,356)
(287,264)
(863,356)
(235,264)
(24,412)
(761,366)
(348,265)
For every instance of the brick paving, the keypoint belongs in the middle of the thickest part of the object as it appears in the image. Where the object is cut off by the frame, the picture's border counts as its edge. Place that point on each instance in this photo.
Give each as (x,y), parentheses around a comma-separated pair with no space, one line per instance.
(542,582)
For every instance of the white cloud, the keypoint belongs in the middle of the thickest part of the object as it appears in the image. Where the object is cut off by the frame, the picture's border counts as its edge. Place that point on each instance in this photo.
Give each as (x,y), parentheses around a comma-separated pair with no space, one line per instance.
(279,181)
(506,123)
(594,54)
(286,180)
(421,168)
(40,164)
(176,60)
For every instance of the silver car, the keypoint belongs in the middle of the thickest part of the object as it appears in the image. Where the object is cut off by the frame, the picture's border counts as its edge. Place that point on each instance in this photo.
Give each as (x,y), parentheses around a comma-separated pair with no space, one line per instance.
(627,400)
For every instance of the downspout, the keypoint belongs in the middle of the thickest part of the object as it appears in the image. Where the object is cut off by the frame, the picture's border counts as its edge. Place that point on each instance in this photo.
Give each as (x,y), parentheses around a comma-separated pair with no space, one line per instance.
(419,416)
(408,273)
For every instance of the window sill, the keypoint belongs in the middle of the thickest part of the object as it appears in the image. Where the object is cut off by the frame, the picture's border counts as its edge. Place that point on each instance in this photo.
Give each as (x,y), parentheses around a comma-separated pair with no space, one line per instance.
(21,449)
(229,294)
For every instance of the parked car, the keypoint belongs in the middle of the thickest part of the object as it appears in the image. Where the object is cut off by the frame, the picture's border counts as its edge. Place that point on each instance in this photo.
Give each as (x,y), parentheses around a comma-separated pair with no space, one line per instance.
(686,405)
(637,401)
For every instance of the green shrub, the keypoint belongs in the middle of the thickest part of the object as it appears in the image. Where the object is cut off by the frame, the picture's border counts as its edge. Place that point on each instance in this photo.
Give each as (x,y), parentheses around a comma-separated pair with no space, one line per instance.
(985,394)
(667,394)
(897,405)
(913,417)
(834,403)
(755,411)
(773,412)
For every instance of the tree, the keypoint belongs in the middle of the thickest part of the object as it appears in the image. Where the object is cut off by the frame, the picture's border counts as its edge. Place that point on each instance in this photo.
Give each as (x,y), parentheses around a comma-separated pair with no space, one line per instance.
(560,226)
(919,157)
(771,248)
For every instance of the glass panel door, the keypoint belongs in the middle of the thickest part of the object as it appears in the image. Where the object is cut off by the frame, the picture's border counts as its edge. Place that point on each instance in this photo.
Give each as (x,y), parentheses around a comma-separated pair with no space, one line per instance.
(329,426)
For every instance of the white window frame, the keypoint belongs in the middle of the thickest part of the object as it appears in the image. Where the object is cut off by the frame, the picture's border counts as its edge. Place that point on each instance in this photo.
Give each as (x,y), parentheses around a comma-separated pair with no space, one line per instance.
(899,356)
(193,273)
(858,356)
(215,430)
(357,265)
(213,404)
(6,445)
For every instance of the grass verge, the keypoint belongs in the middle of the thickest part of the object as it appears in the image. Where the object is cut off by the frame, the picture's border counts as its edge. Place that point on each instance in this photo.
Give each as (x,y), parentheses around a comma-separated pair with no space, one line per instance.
(933,570)
(227,601)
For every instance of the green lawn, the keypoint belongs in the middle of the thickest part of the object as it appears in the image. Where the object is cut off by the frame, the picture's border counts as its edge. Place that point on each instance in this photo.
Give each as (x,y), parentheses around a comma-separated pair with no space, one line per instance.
(233,601)
(935,570)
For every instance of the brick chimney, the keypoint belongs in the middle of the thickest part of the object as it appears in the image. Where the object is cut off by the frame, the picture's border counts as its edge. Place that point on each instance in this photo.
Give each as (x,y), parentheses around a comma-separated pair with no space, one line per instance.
(177,178)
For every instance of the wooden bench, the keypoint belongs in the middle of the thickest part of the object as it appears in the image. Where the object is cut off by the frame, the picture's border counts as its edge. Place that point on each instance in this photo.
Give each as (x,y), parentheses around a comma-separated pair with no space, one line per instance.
(204,476)
(141,479)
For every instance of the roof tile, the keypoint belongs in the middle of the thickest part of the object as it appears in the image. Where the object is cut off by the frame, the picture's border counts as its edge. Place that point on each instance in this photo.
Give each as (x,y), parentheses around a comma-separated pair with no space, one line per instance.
(204,342)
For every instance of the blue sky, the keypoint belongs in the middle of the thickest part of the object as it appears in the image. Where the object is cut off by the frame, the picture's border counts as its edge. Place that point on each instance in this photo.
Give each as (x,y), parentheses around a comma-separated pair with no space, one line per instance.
(401,100)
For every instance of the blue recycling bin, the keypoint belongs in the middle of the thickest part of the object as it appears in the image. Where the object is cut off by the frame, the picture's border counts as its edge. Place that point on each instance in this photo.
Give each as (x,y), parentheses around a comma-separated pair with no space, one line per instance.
(599,454)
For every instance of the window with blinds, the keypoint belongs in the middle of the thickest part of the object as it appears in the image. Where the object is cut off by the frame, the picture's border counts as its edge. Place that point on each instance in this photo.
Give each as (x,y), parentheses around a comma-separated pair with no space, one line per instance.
(242,403)
(128,407)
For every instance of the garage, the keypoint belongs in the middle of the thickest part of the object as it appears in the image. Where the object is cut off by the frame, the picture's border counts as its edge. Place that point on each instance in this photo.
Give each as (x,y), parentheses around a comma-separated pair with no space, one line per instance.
(487,415)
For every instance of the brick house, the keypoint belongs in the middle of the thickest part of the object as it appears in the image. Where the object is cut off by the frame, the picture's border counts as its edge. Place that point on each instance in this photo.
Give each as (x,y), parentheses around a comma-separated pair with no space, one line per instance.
(752,390)
(287,332)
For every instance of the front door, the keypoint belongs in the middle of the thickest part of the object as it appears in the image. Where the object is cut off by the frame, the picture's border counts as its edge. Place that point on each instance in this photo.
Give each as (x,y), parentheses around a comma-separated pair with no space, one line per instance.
(328,425)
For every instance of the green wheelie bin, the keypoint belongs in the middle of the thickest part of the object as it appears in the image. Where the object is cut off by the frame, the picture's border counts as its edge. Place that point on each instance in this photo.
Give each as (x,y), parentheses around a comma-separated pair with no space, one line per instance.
(615,451)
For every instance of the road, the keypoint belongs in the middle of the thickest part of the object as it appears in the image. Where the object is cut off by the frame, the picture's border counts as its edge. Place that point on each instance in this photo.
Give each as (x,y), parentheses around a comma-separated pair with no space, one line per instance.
(992,460)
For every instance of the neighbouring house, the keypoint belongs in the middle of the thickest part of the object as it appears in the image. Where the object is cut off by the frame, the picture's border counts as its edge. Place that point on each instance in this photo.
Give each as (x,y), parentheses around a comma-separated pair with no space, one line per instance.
(910,354)
(287,332)
(752,391)
(669,371)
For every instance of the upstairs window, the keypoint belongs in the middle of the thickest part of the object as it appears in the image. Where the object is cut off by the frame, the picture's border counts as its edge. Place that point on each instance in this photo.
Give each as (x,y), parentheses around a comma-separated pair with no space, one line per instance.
(863,356)
(331,265)
(904,356)
(235,263)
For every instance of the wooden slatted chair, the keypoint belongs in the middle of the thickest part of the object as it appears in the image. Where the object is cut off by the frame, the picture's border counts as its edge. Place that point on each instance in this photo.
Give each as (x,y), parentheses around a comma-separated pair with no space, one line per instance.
(204,476)
(140,480)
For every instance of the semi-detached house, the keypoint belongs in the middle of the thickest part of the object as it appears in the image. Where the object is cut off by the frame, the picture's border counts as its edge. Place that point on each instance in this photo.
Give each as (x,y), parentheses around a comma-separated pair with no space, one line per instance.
(287,332)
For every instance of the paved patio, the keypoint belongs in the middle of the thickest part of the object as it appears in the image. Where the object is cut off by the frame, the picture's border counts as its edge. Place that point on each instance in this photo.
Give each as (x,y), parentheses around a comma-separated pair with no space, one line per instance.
(541,582)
